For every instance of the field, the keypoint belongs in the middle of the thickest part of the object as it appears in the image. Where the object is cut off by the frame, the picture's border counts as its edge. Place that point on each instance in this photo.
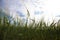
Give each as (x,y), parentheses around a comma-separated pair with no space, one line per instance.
(40,31)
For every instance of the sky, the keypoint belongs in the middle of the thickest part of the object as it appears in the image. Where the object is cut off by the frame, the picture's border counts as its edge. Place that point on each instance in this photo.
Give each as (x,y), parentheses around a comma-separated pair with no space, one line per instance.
(49,9)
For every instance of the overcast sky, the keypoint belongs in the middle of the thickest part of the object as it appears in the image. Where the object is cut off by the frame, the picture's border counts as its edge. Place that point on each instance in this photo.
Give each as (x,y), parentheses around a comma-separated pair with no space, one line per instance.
(49,9)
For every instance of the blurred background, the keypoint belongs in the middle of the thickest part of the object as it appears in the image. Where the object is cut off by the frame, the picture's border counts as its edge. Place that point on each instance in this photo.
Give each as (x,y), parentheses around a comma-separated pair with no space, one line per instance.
(47,9)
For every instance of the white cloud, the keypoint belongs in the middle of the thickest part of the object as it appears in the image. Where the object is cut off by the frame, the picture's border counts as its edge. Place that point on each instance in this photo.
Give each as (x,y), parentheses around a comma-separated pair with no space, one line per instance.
(50,8)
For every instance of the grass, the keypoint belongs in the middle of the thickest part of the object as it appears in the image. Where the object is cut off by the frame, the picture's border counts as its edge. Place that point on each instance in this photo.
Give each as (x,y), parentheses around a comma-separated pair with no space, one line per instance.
(40,31)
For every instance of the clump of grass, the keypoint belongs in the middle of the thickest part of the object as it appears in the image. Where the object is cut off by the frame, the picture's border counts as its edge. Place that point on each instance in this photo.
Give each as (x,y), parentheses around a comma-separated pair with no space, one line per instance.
(40,31)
